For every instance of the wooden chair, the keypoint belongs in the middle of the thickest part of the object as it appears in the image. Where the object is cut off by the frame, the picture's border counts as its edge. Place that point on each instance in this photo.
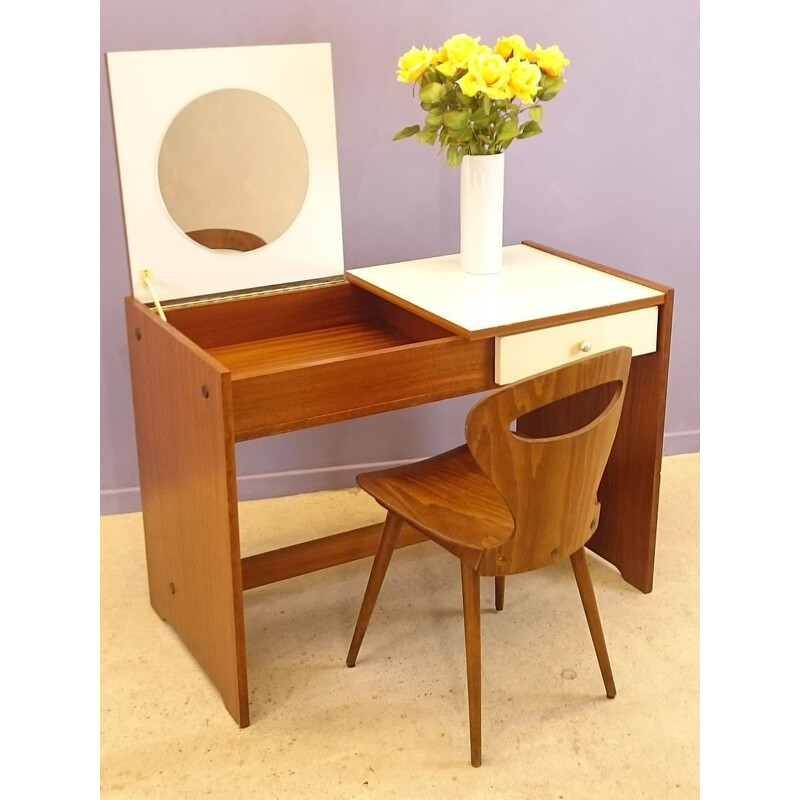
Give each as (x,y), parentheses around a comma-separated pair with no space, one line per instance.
(511,501)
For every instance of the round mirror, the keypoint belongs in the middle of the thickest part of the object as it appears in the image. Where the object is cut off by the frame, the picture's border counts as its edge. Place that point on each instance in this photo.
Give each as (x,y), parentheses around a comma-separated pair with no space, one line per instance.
(233,170)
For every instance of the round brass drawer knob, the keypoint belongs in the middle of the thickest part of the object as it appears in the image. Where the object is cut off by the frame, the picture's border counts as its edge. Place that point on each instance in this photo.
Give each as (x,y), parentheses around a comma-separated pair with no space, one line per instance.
(585,346)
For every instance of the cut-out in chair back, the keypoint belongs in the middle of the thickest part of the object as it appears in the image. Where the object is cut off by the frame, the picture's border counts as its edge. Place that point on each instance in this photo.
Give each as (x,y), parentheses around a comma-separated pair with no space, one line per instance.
(549,469)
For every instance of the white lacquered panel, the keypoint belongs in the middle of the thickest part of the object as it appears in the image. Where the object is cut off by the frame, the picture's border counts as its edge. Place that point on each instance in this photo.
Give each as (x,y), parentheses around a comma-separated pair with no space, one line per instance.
(532,285)
(522,354)
(148,90)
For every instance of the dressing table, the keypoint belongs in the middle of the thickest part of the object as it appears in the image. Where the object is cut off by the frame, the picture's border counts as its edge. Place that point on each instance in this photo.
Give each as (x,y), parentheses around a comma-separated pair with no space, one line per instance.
(243,324)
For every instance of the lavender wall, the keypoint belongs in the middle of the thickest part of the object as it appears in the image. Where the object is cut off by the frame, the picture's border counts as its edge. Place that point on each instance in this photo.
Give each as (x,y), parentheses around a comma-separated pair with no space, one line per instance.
(614,178)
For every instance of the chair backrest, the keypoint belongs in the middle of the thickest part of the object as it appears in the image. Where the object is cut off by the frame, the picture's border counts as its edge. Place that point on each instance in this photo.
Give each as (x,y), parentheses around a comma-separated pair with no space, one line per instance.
(548,470)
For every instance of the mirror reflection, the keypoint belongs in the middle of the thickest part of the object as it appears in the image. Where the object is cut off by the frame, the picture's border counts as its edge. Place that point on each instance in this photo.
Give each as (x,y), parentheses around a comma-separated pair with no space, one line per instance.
(233,170)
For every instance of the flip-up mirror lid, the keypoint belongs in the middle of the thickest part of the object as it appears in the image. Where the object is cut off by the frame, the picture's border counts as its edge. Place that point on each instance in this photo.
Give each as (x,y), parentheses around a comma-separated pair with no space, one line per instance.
(287,89)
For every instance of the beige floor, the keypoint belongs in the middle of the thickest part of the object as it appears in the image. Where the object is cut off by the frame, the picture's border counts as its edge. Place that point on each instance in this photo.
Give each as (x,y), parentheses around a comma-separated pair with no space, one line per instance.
(396,725)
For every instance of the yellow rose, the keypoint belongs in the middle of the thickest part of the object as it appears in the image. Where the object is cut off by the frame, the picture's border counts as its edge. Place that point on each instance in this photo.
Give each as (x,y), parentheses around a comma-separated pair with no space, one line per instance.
(523,82)
(413,63)
(488,73)
(456,52)
(509,46)
(551,60)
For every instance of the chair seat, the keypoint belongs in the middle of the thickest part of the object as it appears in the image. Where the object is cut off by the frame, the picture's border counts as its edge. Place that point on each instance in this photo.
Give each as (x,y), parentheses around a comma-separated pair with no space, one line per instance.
(447,497)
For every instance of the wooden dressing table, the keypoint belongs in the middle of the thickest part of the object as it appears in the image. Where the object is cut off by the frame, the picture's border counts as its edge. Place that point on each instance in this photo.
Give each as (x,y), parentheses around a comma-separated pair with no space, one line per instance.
(230,371)
(217,370)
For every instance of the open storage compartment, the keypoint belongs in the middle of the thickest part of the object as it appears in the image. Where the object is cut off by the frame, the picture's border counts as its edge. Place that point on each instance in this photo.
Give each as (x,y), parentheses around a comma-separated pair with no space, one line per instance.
(318,354)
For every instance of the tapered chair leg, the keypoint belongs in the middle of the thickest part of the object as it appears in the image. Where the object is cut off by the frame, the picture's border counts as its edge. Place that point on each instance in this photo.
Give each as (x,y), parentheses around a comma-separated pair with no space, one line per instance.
(499,592)
(584,581)
(391,529)
(470,593)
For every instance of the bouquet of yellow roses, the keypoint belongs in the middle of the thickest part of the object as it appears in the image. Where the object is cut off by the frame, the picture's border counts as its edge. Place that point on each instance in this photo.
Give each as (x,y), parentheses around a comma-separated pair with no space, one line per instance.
(475,95)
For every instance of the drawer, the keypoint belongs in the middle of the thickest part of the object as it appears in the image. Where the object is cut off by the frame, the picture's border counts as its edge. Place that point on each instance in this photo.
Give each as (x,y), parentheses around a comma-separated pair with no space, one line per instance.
(522,354)
(316,355)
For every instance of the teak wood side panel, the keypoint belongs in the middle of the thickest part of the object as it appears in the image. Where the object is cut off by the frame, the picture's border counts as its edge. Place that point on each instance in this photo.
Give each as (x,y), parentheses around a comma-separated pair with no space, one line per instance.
(184,430)
(629,491)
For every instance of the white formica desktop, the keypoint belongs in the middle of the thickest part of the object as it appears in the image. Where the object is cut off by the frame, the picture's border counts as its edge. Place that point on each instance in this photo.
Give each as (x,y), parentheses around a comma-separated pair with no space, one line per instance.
(522,306)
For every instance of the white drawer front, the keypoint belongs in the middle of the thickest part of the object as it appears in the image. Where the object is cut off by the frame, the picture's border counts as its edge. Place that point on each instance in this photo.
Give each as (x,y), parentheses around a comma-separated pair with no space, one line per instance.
(522,354)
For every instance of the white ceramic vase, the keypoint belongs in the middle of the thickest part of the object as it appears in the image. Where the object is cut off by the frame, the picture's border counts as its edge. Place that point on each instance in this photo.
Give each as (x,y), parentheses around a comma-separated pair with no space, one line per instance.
(482,213)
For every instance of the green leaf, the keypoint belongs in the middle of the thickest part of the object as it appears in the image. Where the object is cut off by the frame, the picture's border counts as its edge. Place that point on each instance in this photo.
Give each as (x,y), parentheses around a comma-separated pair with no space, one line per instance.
(456,120)
(427,135)
(434,117)
(550,86)
(431,92)
(452,155)
(431,74)
(529,129)
(547,81)
(487,105)
(536,113)
(406,132)
(507,131)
